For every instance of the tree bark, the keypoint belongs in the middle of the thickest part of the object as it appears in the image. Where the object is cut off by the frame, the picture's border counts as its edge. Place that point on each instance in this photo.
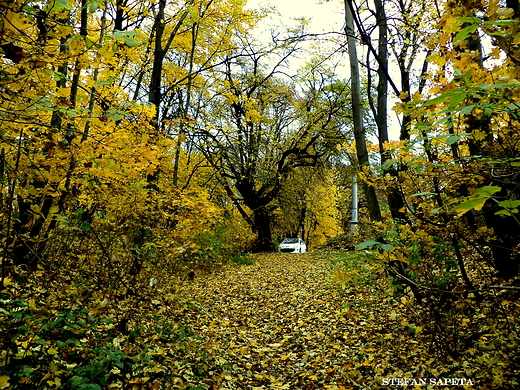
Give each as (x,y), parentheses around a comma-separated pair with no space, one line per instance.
(262,227)
(154,96)
(382,86)
(357,112)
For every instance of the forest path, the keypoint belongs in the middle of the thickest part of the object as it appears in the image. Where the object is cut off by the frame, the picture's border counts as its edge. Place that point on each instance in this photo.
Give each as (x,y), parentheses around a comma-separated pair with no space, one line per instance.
(278,324)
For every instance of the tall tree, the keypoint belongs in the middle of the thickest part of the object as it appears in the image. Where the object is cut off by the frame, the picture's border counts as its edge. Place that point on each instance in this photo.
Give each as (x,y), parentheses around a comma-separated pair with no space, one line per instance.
(357,110)
(401,26)
(259,129)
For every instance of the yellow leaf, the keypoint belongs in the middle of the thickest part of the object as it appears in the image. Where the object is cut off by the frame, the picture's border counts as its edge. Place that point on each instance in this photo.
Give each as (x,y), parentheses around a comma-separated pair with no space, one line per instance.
(106,52)
(4,381)
(63,92)
(15,21)
(24,343)
(437,59)
(493,7)
(479,135)
(505,13)
(451,25)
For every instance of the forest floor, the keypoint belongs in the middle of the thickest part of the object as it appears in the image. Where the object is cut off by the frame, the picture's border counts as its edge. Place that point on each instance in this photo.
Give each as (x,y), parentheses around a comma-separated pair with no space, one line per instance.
(297,321)
(320,320)
(277,324)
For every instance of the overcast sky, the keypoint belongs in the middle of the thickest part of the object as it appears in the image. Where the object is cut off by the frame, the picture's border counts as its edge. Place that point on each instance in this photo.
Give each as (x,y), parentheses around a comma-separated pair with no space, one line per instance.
(324,15)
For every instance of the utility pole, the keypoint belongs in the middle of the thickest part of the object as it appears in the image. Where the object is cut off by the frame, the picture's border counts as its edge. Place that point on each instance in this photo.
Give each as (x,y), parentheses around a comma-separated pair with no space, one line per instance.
(354,214)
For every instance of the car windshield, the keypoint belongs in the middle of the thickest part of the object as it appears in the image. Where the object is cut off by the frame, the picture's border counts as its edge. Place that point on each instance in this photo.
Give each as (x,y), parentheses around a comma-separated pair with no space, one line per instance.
(290,241)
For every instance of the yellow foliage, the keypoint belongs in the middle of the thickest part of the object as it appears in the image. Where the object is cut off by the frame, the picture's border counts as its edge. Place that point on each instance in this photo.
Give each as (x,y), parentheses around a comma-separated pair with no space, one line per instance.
(314,195)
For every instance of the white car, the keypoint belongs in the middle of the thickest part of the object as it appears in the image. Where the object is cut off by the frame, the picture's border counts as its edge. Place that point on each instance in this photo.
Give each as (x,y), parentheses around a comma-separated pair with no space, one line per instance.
(293,245)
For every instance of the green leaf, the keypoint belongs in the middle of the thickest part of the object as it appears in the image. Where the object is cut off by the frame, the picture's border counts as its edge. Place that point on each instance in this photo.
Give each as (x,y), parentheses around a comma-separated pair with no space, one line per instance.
(386,247)
(506,22)
(469,19)
(366,244)
(475,203)
(467,109)
(89,386)
(61,218)
(457,99)
(64,3)
(452,139)
(129,41)
(57,6)
(488,191)
(421,193)
(125,35)
(438,99)
(94,6)
(89,43)
(116,117)
(509,204)
(465,32)
(509,213)
(446,118)
(75,381)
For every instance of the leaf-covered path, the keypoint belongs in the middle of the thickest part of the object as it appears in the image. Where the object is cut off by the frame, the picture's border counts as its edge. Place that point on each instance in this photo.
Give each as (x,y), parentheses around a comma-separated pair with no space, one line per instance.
(294,322)
(278,324)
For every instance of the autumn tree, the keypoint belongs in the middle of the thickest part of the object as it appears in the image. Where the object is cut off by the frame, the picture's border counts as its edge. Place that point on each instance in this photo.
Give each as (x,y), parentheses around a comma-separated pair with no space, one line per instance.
(308,206)
(259,127)
(185,43)
(477,119)
(79,142)
(390,37)
(461,133)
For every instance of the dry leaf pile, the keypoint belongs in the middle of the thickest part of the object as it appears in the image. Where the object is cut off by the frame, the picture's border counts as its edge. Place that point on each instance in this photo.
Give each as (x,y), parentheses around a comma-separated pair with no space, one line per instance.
(297,322)
(312,321)
(279,321)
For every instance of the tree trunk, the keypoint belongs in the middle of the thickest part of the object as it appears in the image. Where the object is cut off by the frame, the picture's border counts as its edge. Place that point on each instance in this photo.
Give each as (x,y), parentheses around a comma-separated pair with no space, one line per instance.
(382,86)
(154,96)
(506,259)
(357,112)
(262,227)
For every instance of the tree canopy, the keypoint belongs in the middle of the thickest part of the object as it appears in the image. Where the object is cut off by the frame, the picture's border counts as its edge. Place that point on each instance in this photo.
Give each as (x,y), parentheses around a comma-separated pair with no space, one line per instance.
(141,141)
